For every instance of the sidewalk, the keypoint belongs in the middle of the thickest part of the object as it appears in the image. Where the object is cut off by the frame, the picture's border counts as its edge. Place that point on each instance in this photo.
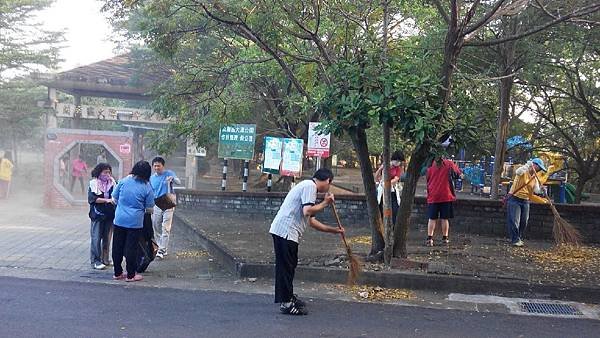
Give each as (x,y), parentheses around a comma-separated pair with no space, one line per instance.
(54,244)
(470,263)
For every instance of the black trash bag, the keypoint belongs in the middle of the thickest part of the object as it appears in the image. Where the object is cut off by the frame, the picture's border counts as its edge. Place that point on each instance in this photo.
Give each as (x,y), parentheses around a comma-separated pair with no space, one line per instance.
(147,247)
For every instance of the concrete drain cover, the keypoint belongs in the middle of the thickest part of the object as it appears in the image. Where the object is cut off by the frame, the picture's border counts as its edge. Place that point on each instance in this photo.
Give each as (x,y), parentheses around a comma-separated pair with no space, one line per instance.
(530,307)
(550,309)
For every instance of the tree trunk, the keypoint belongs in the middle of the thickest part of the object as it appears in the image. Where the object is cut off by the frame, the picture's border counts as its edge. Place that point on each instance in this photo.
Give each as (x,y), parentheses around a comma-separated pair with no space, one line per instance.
(581,182)
(453,44)
(417,159)
(507,62)
(387,186)
(359,140)
(387,206)
(506,85)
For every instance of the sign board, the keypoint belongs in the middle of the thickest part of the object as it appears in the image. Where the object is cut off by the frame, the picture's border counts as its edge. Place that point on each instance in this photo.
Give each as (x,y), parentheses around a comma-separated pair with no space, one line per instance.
(272,155)
(292,157)
(236,141)
(125,148)
(318,144)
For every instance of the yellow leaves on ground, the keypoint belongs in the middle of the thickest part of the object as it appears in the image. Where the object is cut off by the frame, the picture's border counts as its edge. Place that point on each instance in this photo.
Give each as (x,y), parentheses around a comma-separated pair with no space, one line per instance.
(191,254)
(360,240)
(564,258)
(375,293)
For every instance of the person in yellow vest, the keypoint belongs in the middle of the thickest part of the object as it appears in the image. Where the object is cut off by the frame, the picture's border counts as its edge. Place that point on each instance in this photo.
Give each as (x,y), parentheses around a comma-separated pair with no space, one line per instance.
(517,208)
(6,168)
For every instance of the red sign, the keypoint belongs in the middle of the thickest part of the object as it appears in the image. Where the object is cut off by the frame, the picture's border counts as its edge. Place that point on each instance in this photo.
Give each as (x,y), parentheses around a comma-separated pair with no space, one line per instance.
(125,148)
(318,144)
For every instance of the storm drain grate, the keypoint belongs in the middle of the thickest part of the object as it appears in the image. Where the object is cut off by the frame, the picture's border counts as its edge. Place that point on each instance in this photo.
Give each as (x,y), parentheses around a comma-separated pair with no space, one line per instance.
(550,309)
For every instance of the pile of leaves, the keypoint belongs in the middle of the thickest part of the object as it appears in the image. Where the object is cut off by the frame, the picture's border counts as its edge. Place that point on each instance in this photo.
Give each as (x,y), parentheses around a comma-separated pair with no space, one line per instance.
(578,263)
(359,240)
(375,293)
(191,254)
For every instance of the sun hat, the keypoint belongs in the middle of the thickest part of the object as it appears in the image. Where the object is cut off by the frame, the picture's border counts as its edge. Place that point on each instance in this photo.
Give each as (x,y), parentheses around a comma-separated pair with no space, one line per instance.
(539,163)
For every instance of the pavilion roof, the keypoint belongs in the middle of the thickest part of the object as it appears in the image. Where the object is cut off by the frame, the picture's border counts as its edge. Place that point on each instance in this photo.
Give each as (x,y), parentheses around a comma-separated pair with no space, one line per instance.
(117,77)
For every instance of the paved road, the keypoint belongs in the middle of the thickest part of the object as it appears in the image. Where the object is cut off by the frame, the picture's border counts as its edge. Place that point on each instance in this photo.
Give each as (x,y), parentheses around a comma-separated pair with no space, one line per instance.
(33,308)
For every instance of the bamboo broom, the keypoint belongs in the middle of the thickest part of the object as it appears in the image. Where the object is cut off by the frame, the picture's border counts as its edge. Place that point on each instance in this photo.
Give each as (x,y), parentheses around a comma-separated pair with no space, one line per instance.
(355,265)
(562,231)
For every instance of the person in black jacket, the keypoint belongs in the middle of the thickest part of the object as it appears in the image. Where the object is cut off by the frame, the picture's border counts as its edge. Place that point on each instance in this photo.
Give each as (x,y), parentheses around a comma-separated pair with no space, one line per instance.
(102,214)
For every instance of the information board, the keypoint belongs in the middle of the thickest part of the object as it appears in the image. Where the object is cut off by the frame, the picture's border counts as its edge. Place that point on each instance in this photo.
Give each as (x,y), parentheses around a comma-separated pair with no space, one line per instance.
(292,157)
(236,141)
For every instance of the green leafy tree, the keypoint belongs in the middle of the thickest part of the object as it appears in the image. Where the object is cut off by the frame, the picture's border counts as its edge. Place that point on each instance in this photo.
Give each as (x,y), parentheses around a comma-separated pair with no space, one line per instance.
(24,47)
(20,118)
(567,102)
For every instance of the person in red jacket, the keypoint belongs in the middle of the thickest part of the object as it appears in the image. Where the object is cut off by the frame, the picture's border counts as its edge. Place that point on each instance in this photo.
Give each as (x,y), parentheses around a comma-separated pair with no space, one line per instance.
(440,195)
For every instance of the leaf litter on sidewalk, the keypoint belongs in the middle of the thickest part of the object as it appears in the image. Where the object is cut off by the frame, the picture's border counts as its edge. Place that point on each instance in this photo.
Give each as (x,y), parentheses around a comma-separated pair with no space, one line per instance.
(568,264)
(375,293)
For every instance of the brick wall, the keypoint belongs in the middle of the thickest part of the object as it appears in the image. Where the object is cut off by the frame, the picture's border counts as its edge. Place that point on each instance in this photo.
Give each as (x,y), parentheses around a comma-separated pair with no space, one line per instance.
(59,141)
(264,205)
(476,216)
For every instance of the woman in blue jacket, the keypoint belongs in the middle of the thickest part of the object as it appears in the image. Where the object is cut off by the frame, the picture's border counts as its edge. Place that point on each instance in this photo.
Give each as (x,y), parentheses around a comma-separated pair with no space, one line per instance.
(134,197)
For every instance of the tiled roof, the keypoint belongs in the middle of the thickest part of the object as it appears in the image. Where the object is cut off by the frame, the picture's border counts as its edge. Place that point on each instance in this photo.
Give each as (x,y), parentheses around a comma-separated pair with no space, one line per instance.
(119,70)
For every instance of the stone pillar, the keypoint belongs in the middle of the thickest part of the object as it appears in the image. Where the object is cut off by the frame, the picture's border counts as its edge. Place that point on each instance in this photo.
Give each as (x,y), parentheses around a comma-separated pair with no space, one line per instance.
(191,164)
(76,121)
(51,120)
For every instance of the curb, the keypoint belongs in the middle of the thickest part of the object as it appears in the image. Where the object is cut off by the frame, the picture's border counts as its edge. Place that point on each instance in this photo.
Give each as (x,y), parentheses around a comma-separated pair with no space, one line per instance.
(398,279)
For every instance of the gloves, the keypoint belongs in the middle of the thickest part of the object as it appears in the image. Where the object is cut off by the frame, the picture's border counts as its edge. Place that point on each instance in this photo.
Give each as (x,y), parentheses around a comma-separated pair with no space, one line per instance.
(523,169)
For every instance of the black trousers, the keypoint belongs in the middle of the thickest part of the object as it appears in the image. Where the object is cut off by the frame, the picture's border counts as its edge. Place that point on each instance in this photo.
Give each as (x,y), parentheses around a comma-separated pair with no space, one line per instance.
(125,243)
(286,260)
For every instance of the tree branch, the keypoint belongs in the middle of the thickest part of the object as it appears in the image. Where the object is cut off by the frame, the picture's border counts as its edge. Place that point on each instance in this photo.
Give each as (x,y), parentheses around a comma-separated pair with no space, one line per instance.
(584,11)
(441,11)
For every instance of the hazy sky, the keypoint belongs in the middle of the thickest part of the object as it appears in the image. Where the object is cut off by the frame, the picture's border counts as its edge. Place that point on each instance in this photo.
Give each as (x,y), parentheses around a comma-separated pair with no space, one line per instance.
(87,31)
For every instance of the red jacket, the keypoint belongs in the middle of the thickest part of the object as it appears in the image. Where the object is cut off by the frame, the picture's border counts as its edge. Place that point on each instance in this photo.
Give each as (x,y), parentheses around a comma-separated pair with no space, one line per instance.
(439,187)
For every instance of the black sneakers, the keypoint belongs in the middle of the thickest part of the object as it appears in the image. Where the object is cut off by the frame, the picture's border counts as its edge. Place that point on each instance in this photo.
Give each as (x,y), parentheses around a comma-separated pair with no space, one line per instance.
(299,302)
(296,307)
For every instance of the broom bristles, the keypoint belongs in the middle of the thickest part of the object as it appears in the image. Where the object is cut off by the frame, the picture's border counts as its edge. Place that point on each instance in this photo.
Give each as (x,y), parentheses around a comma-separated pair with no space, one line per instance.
(563,231)
(354,266)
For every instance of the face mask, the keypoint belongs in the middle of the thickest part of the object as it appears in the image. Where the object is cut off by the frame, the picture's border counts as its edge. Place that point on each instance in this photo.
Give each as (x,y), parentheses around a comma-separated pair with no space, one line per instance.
(104,177)
(395,163)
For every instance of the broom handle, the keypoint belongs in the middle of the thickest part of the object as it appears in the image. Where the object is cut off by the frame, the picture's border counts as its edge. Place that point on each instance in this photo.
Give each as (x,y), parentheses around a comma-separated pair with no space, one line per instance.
(337,218)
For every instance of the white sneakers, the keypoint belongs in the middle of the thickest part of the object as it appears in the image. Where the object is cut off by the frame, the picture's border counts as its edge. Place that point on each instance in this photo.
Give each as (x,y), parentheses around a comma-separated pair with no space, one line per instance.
(99,266)
(161,254)
(519,243)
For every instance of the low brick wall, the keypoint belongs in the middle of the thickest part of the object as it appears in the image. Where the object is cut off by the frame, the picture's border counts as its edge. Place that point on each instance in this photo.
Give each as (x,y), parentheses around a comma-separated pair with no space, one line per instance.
(476,216)
(352,209)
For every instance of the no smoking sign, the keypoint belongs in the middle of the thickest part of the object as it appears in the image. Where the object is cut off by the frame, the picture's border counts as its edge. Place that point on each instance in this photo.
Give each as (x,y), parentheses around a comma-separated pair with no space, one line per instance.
(318,143)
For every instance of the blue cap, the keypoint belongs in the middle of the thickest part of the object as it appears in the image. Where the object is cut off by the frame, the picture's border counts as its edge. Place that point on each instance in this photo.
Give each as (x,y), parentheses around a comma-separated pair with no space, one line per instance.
(539,163)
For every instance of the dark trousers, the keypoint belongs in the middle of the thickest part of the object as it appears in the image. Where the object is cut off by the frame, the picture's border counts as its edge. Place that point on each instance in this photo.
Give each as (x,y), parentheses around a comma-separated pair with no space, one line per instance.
(125,243)
(286,260)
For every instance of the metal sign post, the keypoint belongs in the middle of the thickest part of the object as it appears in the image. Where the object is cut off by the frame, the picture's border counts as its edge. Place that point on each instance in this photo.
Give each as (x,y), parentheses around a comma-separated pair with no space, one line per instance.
(224,180)
(245,182)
